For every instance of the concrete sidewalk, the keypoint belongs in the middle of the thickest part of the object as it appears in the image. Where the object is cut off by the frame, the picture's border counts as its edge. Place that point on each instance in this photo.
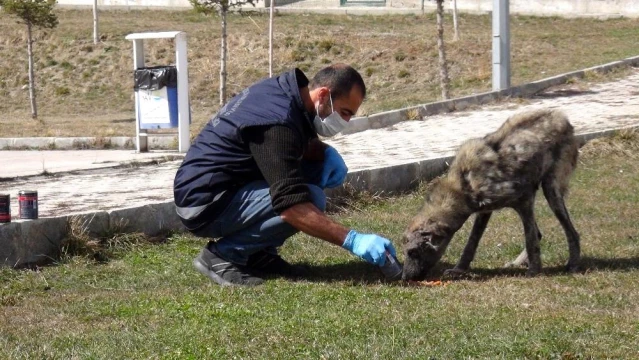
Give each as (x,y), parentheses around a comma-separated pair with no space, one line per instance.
(21,163)
(386,159)
(602,107)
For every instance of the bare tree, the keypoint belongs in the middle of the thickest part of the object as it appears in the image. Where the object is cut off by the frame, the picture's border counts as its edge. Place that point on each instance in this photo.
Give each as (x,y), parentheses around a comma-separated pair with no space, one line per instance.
(221,7)
(455,22)
(443,65)
(32,13)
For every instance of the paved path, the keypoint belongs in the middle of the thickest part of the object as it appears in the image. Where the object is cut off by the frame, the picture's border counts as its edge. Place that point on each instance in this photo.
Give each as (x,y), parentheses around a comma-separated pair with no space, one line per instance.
(15,163)
(601,107)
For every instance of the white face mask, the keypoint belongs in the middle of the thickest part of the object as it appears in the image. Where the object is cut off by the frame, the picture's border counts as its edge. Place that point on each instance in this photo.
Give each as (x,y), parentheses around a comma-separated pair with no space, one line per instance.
(330,125)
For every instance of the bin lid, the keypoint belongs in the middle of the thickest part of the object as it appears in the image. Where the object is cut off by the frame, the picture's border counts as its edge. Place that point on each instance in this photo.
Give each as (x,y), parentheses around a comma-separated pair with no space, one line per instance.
(153,35)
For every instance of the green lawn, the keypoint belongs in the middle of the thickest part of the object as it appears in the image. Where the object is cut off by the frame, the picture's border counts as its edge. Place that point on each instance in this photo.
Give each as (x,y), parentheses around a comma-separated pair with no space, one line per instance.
(148,301)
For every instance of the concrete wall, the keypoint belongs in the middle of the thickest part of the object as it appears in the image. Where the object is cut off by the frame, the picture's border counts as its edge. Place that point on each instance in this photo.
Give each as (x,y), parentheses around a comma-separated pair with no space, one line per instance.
(568,8)
(628,8)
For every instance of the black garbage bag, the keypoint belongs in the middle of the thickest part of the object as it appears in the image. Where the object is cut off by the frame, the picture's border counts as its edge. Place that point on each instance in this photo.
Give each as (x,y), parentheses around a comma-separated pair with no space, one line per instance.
(155,78)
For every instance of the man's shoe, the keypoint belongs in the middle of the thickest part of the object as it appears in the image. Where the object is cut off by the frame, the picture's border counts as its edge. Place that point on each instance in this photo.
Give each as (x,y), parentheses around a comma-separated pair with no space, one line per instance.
(272,264)
(224,272)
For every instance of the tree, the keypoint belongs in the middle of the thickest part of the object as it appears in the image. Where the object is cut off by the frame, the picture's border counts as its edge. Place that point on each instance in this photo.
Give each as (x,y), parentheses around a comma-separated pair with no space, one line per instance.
(32,13)
(222,8)
(443,65)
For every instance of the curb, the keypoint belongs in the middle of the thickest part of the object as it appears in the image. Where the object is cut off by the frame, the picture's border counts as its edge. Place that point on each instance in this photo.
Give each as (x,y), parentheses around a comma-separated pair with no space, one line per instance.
(165,142)
(388,118)
(27,242)
(24,243)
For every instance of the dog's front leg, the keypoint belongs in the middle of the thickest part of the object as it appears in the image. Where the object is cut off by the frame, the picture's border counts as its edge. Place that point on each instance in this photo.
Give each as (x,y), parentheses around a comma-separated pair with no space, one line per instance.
(481,221)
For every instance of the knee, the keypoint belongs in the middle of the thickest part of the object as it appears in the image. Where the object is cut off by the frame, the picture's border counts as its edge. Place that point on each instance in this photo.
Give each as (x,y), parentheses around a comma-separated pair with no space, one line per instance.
(318,198)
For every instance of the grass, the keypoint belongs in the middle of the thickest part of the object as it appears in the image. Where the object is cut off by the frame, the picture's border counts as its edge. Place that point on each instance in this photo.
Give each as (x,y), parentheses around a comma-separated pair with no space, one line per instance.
(86,89)
(146,301)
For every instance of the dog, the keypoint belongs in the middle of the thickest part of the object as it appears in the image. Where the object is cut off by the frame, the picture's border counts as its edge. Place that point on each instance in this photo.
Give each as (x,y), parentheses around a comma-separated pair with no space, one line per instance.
(504,169)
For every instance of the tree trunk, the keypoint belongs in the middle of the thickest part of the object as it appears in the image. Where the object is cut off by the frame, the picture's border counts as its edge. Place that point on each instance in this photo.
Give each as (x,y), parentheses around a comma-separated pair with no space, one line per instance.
(455,23)
(223,12)
(96,38)
(443,66)
(32,94)
(270,40)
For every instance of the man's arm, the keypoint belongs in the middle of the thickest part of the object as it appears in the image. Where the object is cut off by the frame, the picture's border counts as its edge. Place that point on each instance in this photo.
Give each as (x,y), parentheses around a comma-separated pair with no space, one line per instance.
(277,150)
(315,150)
(307,218)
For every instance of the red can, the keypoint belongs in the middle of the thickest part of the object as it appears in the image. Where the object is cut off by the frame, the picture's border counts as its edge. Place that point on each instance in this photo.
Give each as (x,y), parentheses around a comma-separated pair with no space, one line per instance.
(28,204)
(5,208)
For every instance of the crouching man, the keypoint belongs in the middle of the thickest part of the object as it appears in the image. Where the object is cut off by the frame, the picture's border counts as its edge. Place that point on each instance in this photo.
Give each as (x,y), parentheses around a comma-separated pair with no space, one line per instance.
(256,172)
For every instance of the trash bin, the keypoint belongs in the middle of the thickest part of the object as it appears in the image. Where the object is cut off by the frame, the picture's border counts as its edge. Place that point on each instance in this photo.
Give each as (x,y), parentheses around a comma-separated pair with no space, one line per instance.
(156,92)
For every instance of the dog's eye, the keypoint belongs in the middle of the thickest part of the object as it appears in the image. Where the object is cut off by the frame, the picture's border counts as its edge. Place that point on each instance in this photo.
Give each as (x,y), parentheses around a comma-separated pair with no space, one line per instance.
(426,235)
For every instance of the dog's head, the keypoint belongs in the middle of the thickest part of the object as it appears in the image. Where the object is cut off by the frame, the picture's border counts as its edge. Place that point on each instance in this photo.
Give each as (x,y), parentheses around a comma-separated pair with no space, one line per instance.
(424,244)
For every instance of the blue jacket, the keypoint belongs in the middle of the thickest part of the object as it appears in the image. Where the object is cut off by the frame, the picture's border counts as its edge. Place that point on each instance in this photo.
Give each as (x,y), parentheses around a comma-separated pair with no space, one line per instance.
(219,161)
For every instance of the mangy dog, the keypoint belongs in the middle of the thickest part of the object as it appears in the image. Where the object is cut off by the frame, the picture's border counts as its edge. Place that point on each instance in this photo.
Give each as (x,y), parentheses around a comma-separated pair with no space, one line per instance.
(502,169)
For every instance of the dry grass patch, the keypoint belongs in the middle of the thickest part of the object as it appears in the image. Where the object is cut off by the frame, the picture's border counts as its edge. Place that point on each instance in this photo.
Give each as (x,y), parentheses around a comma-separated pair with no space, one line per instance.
(86,89)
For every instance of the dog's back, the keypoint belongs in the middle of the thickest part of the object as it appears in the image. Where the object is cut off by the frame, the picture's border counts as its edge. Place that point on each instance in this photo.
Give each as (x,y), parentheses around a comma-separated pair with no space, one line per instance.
(495,170)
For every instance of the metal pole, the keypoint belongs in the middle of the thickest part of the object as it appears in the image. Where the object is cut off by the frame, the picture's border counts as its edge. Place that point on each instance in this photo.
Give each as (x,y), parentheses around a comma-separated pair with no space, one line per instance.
(501,45)
(138,62)
(96,37)
(270,39)
(184,115)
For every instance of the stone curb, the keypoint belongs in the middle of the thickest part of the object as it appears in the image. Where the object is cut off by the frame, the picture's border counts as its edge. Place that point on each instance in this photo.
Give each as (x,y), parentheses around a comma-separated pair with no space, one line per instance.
(23,243)
(358,124)
(28,242)
(73,143)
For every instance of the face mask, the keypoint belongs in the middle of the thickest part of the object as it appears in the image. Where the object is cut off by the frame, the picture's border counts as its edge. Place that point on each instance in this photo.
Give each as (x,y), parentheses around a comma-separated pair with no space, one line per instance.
(330,125)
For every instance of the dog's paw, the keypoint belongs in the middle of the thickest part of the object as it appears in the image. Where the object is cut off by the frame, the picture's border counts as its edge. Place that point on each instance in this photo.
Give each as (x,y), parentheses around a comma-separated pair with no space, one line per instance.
(455,273)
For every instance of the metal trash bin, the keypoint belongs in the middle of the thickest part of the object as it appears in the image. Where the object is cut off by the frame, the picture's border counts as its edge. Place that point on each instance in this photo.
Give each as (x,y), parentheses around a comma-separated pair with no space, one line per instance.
(156,91)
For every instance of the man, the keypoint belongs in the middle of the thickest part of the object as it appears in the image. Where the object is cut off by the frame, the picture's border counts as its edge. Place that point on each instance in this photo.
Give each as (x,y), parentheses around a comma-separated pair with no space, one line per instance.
(255,175)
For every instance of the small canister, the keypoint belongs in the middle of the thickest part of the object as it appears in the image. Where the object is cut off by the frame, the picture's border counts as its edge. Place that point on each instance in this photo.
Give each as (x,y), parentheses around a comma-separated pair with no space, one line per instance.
(28,204)
(5,208)
(392,269)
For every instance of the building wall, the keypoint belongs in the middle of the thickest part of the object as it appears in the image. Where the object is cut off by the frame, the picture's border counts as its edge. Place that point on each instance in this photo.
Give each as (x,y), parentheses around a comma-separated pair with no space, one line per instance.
(568,8)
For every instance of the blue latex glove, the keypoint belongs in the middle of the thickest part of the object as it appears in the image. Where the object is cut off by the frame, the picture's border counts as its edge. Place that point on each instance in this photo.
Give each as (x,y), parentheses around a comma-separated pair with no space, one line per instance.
(334,171)
(369,247)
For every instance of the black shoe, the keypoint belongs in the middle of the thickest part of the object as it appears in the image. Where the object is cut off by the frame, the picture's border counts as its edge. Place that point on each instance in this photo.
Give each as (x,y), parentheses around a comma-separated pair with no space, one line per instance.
(224,272)
(272,264)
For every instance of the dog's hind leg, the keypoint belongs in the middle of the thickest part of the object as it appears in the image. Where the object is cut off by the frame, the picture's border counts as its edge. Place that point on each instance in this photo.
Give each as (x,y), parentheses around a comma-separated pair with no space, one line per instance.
(526,211)
(481,221)
(555,199)
(522,259)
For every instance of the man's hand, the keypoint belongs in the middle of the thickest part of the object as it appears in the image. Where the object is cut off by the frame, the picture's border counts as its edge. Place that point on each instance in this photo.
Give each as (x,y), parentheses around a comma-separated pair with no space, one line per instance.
(369,247)
(335,170)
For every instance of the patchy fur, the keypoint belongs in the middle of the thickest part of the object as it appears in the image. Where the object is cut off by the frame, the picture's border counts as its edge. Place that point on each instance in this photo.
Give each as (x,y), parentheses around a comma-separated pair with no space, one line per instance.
(503,169)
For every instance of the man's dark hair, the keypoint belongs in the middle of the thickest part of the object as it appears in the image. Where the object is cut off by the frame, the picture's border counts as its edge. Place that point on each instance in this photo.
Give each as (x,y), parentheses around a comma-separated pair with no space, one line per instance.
(340,79)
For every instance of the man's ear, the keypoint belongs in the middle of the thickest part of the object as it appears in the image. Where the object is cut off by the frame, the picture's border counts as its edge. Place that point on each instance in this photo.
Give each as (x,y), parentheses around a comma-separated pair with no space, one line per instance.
(323,93)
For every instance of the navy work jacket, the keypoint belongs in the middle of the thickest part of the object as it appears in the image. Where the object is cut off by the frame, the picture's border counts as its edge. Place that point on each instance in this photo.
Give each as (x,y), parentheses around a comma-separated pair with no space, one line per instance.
(220,161)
